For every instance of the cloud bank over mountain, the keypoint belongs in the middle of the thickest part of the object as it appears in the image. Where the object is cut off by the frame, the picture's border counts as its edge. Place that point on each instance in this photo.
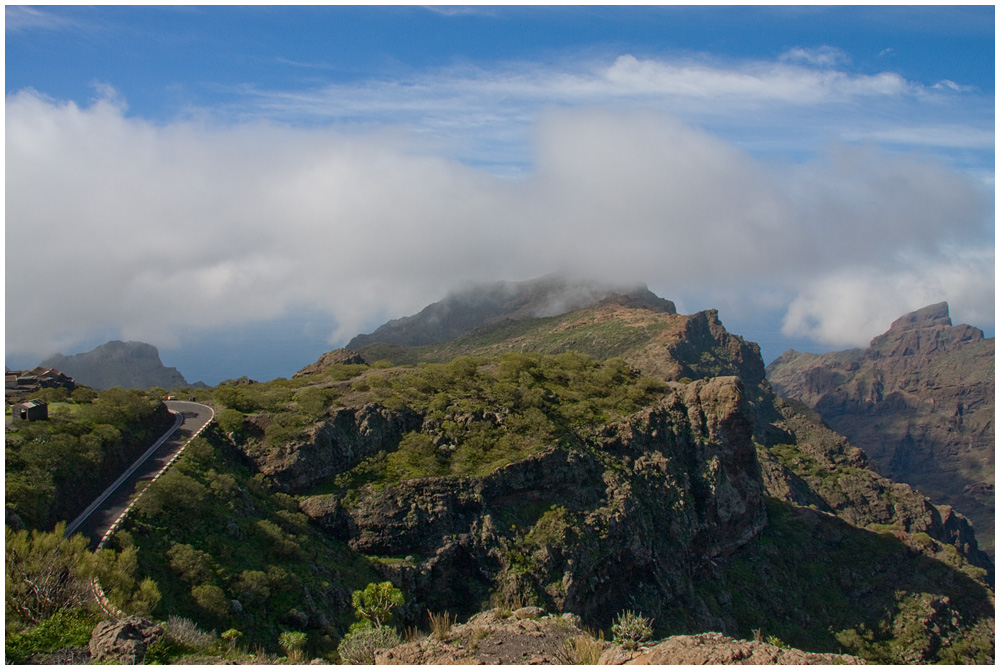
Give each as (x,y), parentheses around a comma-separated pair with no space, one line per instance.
(154,230)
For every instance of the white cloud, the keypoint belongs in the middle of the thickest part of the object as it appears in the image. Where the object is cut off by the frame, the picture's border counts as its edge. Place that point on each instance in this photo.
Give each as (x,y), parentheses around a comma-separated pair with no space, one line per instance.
(485,115)
(824,56)
(114,223)
(850,306)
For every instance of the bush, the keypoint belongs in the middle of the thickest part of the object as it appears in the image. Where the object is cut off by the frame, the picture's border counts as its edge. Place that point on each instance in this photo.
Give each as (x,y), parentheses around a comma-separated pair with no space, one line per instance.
(375,603)
(362,641)
(631,629)
(186,633)
(45,573)
(441,624)
(582,650)
(66,628)
(294,644)
(211,598)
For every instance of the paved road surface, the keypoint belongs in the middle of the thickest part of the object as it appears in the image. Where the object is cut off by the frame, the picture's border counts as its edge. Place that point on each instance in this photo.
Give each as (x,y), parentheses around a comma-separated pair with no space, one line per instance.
(96,523)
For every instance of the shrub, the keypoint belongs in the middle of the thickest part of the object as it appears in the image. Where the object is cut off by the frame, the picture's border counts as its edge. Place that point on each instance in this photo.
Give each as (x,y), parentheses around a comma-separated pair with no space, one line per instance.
(375,603)
(294,644)
(186,633)
(211,598)
(776,641)
(45,573)
(582,650)
(440,624)
(66,628)
(362,641)
(631,629)
(230,636)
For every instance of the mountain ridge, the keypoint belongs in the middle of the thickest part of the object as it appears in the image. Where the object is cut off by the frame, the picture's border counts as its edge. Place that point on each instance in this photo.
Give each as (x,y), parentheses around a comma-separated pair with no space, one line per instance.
(618,457)
(920,402)
(117,363)
(483,304)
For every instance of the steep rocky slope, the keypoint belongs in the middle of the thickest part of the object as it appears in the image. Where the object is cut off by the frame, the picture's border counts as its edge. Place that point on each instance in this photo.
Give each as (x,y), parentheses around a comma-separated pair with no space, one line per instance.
(602,520)
(659,505)
(125,364)
(920,403)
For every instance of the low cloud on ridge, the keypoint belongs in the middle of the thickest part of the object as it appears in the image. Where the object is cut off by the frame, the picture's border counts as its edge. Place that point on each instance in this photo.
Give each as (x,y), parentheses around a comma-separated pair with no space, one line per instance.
(158,230)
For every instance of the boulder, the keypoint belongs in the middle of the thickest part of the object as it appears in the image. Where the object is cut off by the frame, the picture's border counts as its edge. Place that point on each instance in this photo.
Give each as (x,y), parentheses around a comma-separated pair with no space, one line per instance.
(124,641)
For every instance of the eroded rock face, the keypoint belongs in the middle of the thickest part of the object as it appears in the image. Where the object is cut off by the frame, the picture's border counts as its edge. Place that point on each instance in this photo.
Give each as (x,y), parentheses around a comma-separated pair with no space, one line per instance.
(822,469)
(124,641)
(589,528)
(919,401)
(336,444)
(335,357)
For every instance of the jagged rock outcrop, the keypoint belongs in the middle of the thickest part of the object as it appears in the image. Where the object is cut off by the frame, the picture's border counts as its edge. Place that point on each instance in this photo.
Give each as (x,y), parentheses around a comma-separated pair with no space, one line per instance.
(116,363)
(477,473)
(123,641)
(348,436)
(920,403)
(335,357)
(619,520)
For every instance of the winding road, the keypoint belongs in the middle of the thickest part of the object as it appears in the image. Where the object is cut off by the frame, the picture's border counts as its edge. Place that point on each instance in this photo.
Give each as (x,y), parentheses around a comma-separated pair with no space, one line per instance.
(103,514)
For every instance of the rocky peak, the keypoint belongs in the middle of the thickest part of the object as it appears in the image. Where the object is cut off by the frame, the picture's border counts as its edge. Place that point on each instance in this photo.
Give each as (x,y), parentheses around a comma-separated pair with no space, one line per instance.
(923,331)
(919,402)
(932,315)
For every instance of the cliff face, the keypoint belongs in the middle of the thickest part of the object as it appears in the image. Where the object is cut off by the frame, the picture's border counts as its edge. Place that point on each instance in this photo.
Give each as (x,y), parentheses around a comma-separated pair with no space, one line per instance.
(123,364)
(920,403)
(587,529)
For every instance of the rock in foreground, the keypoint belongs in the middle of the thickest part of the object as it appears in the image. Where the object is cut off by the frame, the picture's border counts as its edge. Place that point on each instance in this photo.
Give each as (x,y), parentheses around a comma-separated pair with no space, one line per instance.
(528,636)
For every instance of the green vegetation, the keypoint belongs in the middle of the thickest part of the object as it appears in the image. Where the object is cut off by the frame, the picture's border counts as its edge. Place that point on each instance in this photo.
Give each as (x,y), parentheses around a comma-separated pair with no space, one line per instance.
(483,413)
(65,628)
(230,552)
(48,598)
(376,602)
(221,548)
(362,641)
(820,584)
(374,606)
(294,644)
(54,468)
(631,629)
(583,650)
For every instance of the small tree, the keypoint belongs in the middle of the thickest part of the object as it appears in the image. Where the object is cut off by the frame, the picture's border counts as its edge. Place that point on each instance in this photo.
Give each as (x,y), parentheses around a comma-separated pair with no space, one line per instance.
(376,602)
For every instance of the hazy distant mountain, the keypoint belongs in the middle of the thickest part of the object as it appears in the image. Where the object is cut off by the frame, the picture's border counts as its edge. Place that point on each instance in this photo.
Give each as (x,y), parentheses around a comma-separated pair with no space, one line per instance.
(919,401)
(485,304)
(117,363)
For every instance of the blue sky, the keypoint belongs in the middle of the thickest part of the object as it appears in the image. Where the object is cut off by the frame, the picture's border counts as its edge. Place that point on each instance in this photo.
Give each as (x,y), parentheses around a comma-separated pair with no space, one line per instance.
(247,187)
